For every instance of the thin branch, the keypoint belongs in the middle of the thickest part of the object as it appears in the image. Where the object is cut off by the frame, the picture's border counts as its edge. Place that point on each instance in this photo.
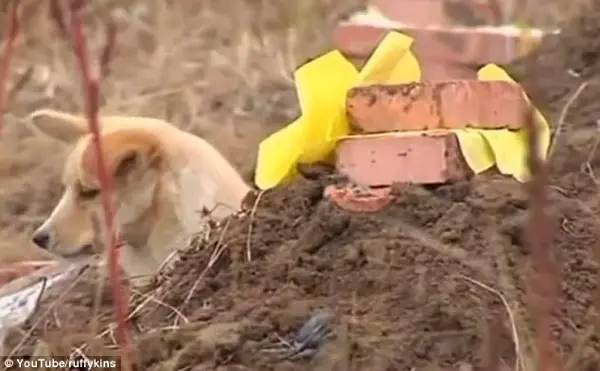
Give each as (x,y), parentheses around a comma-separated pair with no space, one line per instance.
(543,279)
(563,115)
(90,79)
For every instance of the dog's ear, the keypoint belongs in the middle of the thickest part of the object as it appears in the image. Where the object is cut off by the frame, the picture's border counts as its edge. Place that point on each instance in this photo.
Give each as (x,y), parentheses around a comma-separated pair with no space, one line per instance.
(127,151)
(59,125)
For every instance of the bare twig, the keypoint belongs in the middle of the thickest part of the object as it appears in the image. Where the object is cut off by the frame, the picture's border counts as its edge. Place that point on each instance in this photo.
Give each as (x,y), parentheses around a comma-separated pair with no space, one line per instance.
(543,280)
(216,254)
(43,316)
(44,281)
(90,79)
(511,317)
(563,115)
(587,165)
(250,226)
(150,298)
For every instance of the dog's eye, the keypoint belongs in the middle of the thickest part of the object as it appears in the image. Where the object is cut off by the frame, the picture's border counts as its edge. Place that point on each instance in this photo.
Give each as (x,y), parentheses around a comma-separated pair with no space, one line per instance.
(88,193)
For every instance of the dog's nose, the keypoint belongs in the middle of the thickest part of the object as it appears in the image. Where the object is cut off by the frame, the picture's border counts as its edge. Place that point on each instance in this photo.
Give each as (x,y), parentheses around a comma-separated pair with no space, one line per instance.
(41,239)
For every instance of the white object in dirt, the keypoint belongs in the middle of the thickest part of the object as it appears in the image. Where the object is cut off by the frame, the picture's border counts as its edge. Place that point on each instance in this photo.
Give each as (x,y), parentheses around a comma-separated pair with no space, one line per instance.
(19,298)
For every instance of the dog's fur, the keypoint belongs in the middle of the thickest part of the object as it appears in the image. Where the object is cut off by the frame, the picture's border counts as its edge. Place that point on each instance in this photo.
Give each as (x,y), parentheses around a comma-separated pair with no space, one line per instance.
(164,179)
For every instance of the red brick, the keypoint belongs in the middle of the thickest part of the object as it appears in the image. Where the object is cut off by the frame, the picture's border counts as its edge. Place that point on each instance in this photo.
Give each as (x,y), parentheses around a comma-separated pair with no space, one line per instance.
(458,45)
(363,201)
(421,13)
(473,12)
(435,70)
(439,70)
(430,105)
(437,12)
(421,158)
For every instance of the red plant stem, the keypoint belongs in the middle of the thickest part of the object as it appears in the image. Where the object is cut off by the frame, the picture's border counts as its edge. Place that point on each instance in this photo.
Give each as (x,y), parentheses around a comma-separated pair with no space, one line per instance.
(91,86)
(544,281)
(7,55)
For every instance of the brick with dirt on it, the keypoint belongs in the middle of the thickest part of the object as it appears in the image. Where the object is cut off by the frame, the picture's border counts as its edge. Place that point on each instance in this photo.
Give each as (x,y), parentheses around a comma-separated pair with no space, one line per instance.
(415,158)
(433,105)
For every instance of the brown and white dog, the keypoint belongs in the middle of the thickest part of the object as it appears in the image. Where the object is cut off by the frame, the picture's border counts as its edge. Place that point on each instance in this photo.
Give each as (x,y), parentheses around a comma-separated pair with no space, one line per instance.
(164,178)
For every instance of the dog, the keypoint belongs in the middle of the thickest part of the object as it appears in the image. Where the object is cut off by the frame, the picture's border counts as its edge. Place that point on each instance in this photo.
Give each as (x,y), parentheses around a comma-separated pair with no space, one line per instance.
(164,179)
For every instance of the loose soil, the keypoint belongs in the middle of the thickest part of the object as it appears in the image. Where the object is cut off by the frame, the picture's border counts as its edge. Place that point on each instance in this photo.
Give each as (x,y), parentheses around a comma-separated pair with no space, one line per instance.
(420,285)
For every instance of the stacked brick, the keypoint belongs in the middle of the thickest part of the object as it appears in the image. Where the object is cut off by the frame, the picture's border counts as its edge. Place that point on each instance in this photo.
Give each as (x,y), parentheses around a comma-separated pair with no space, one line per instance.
(415,120)
(415,143)
(410,134)
(453,38)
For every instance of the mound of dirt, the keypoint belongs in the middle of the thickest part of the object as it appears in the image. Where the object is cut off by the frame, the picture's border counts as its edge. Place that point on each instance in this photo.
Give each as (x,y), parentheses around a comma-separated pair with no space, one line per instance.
(405,284)
(419,285)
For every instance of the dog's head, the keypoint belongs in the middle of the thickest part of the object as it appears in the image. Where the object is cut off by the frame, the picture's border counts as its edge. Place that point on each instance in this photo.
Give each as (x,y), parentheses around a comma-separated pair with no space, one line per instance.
(132,156)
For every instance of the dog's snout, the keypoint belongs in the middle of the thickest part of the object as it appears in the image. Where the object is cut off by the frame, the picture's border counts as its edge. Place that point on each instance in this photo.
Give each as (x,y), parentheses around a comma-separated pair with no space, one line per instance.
(41,239)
